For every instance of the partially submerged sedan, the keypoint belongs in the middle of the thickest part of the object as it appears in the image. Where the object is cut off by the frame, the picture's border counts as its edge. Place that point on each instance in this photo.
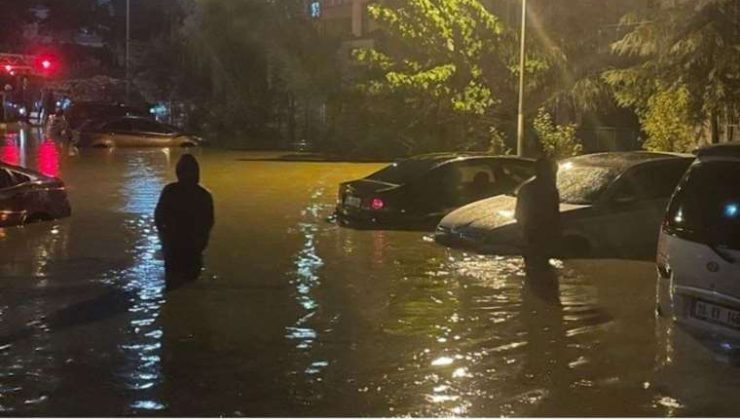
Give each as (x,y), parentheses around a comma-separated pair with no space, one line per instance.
(611,206)
(131,131)
(416,193)
(27,196)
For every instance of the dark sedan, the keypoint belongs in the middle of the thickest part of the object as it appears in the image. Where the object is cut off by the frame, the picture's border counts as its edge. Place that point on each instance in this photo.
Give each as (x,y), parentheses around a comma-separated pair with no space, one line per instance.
(27,196)
(416,193)
(611,205)
(132,132)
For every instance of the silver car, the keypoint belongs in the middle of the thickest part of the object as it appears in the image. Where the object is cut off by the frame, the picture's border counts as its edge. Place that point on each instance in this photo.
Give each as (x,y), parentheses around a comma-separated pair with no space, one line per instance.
(131,131)
(611,206)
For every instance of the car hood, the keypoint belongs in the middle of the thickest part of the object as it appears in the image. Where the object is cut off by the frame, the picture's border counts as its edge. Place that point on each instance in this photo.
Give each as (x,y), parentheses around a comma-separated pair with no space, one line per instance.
(490,213)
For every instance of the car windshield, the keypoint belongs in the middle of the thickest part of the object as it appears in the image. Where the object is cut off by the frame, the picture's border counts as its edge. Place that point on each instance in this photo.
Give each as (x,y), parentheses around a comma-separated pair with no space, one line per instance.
(403,171)
(706,208)
(583,184)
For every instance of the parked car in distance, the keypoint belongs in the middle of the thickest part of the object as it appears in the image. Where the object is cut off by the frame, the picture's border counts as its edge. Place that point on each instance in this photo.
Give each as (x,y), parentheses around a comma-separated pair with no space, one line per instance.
(27,196)
(611,205)
(80,112)
(132,132)
(699,248)
(416,193)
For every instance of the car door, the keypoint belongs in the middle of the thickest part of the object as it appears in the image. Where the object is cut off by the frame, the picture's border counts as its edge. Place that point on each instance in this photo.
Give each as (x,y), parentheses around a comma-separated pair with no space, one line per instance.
(634,206)
(119,132)
(151,133)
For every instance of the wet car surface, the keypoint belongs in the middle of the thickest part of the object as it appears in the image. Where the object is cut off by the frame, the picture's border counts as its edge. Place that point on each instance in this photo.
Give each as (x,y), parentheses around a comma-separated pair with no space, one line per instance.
(611,205)
(416,193)
(295,316)
(131,131)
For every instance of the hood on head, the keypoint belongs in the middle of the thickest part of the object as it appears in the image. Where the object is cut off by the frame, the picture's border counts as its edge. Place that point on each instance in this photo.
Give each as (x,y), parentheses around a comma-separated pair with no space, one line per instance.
(188,170)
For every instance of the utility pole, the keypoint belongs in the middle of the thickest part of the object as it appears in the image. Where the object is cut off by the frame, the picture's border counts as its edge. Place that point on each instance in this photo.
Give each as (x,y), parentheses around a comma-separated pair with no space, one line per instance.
(520,115)
(128,50)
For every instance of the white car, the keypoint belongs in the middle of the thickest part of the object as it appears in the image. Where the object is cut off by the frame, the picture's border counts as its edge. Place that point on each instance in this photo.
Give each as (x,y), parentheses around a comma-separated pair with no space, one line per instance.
(611,205)
(698,255)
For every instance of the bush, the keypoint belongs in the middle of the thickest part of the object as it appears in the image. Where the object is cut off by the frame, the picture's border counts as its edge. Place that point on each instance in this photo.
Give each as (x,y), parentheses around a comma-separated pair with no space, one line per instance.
(667,122)
(558,141)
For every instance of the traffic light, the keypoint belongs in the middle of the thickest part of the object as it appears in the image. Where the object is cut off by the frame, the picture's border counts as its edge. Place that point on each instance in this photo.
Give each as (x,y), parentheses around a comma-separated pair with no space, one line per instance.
(45,64)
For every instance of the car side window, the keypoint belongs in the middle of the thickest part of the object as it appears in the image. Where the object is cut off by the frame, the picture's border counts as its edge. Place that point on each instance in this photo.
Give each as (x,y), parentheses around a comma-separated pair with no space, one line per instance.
(6,179)
(147,126)
(658,180)
(10,179)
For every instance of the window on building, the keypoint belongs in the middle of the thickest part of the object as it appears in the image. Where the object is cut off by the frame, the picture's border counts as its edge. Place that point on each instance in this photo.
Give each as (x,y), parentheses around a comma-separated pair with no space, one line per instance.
(315,9)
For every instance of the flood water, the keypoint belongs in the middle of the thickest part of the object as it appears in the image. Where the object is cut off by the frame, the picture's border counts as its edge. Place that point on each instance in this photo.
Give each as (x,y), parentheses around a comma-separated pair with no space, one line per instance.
(294,316)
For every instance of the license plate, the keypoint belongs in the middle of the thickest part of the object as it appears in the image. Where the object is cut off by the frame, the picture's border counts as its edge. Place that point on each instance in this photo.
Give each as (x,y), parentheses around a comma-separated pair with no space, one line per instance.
(352,201)
(716,314)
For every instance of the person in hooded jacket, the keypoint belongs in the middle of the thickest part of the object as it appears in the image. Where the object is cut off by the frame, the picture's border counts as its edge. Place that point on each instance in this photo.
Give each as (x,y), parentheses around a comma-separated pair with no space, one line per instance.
(184,218)
(538,215)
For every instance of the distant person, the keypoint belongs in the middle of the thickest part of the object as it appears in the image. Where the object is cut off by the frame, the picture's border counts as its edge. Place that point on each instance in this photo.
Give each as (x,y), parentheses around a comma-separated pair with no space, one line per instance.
(538,215)
(184,218)
(48,105)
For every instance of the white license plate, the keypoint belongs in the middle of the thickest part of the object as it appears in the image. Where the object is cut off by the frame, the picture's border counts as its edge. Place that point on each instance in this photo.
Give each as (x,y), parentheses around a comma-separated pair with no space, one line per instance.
(716,314)
(352,201)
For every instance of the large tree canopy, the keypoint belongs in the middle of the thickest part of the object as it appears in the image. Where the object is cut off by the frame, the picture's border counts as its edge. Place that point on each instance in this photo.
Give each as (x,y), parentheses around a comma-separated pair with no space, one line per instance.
(691,48)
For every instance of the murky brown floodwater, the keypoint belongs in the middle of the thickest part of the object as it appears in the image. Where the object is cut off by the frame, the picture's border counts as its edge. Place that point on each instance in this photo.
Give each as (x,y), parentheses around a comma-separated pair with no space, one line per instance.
(295,316)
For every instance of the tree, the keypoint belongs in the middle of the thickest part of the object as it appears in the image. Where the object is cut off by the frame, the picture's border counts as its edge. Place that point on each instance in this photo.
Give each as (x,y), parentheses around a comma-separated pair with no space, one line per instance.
(558,141)
(446,66)
(688,50)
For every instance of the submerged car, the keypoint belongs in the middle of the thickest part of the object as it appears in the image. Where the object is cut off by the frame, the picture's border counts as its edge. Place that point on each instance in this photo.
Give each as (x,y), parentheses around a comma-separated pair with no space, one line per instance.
(699,250)
(81,112)
(132,132)
(416,193)
(27,196)
(611,205)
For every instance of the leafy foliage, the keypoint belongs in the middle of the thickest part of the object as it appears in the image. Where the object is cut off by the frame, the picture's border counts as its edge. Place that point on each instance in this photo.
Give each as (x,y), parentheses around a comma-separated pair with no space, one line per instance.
(558,141)
(666,121)
(449,62)
(688,50)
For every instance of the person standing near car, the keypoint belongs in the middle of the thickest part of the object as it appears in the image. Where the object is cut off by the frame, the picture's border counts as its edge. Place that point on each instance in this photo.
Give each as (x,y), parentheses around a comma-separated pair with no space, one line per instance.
(184,218)
(538,215)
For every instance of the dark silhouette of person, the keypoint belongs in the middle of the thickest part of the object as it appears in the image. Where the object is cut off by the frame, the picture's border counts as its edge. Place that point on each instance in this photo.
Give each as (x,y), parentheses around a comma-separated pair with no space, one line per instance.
(538,215)
(48,104)
(480,187)
(184,218)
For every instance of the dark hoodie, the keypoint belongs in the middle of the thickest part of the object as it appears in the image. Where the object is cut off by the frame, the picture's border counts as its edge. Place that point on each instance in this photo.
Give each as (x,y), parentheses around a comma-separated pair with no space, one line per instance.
(184,213)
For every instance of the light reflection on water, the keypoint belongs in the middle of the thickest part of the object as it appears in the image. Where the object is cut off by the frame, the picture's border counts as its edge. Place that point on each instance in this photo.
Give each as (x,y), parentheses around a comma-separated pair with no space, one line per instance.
(144,280)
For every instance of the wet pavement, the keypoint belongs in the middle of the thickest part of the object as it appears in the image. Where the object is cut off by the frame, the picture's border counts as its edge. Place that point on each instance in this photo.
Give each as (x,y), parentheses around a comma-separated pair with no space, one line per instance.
(294,316)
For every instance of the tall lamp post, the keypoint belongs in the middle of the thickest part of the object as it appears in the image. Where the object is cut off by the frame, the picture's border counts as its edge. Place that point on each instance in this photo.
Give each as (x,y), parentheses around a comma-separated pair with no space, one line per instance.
(520,115)
(128,50)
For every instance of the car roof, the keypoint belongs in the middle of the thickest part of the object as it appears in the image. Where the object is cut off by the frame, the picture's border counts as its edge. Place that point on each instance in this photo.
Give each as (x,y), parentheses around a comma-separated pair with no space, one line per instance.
(723,150)
(445,157)
(621,161)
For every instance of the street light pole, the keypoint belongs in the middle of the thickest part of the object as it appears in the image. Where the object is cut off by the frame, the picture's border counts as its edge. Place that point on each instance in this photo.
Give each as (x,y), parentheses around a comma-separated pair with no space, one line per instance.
(128,50)
(520,115)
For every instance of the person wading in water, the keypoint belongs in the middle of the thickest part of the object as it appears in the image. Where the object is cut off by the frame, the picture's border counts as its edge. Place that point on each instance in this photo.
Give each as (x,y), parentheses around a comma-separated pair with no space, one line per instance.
(538,215)
(184,218)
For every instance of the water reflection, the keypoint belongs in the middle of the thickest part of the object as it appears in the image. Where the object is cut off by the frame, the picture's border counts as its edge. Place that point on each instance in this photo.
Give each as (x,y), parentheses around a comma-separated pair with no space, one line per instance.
(144,279)
(308,263)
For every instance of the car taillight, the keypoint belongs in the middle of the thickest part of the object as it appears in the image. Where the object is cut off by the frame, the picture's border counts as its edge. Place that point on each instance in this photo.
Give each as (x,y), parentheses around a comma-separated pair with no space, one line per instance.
(377,204)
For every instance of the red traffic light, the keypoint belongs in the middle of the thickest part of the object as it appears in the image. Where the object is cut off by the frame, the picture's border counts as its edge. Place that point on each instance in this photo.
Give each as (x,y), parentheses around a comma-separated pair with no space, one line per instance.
(45,64)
